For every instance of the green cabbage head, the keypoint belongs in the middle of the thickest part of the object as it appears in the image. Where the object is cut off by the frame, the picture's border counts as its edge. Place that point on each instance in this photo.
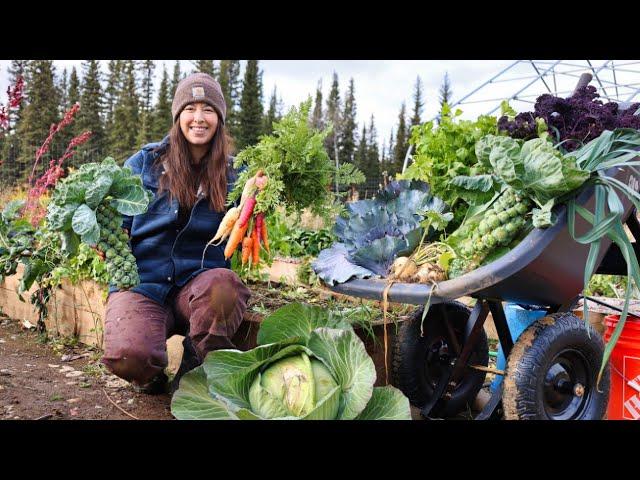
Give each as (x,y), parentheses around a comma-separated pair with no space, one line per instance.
(292,387)
(304,368)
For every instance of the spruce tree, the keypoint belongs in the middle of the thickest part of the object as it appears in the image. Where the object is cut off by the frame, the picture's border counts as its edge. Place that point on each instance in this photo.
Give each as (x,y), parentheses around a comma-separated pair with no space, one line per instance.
(250,115)
(361,152)
(73,94)
(90,114)
(316,119)
(445,90)
(272,114)
(333,115)
(206,66)
(231,87)
(346,138)
(112,91)
(372,166)
(177,76)
(38,116)
(162,120)
(389,157)
(63,90)
(125,117)
(400,148)
(146,68)
(418,104)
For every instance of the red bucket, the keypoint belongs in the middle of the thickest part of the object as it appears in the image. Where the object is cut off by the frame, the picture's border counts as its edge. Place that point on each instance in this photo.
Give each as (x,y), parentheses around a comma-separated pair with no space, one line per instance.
(624,398)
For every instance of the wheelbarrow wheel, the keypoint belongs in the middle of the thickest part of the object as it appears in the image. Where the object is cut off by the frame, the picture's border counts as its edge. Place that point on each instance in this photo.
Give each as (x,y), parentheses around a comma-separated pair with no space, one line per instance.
(419,361)
(552,371)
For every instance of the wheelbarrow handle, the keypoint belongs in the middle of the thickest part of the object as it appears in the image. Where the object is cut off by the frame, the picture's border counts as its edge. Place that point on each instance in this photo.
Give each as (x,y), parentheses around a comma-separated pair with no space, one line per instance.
(584,80)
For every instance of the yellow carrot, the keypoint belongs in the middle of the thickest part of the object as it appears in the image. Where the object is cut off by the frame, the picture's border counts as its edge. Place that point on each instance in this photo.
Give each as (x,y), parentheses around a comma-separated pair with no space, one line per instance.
(226,225)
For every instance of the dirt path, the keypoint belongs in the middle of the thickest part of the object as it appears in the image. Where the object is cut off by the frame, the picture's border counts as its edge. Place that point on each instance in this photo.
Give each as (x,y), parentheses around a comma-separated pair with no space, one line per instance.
(57,381)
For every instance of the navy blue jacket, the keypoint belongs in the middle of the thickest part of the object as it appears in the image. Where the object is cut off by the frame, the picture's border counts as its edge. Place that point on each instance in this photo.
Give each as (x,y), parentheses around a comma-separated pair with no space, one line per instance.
(166,255)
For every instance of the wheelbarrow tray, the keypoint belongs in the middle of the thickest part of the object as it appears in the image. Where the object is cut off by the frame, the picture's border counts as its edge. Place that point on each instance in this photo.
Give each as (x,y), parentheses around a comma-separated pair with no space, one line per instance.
(545,268)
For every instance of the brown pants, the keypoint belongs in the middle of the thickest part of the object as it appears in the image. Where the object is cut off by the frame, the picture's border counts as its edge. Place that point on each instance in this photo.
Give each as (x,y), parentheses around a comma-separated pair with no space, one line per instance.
(209,309)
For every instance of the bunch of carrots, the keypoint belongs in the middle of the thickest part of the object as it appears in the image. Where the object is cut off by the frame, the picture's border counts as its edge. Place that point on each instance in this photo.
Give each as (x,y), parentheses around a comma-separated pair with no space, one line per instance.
(243,227)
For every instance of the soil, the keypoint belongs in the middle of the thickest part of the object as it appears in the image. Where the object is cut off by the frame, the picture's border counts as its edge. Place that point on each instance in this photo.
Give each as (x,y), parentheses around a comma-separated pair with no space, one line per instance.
(54,381)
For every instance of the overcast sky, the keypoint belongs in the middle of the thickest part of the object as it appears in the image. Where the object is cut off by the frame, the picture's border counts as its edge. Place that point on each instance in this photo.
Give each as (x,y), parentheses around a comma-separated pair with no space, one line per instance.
(382,85)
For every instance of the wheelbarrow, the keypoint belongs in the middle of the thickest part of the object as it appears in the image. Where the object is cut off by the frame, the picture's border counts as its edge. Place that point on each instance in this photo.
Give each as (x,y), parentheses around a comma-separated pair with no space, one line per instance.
(440,362)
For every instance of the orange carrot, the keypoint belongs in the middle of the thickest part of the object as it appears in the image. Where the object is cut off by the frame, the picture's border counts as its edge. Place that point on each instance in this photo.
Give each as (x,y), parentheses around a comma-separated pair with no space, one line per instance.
(235,238)
(247,244)
(255,258)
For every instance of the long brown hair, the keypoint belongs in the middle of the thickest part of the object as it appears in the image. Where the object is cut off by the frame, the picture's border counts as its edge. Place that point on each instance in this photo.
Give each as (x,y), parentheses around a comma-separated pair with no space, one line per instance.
(182,178)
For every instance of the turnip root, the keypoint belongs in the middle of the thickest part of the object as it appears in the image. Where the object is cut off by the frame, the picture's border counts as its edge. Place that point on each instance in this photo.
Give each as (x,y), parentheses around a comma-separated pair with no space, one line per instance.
(430,272)
(403,268)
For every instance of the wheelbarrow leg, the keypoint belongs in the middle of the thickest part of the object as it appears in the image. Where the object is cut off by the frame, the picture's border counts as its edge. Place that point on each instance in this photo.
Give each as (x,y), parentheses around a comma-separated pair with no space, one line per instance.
(634,225)
(453,372)
(493,408)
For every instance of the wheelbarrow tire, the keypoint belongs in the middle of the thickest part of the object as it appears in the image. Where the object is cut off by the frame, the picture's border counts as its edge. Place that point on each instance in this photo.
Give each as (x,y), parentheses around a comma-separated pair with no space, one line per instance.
(412,371)
(552,371)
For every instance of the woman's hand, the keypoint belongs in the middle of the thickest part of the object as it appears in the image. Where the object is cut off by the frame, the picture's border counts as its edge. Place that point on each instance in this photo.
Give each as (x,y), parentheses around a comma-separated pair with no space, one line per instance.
(257,182)
(260,180)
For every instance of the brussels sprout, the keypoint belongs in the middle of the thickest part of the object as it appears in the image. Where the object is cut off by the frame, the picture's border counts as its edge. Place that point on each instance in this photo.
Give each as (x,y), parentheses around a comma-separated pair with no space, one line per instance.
(489,241)
(110,253)
(500,234)
(123,237)
(483,228)
(112,239)
(126,281)
(127,266)
(493,221)
(478,245)
(522,208)
(117,261)
(512,212)
(503,217)
(511,228)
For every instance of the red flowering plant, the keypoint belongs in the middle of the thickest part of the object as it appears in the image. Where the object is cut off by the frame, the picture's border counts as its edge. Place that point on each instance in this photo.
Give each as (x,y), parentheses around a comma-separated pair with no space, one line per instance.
(25,240)
(55,170)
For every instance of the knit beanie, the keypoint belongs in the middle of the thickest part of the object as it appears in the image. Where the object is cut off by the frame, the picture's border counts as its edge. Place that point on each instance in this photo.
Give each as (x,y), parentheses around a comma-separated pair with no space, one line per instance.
(198,87)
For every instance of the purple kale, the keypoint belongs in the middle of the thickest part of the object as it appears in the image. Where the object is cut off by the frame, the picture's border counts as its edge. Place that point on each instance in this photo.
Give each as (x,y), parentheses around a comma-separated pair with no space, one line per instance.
(573,121)
(522,126)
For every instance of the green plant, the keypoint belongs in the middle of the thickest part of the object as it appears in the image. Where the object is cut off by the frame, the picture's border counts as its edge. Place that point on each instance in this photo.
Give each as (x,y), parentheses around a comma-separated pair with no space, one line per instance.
(297,165)
(444,150)
(305,274)
(612,286)
(288,239)
(309,365)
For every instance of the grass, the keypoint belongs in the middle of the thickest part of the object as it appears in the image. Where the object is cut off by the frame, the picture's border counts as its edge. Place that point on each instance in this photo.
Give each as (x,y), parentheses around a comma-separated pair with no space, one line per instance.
(94,369)
(56,397)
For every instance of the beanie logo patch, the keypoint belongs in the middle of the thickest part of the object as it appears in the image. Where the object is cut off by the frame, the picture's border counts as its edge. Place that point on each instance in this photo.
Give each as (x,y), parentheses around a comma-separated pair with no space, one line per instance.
(197,92)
